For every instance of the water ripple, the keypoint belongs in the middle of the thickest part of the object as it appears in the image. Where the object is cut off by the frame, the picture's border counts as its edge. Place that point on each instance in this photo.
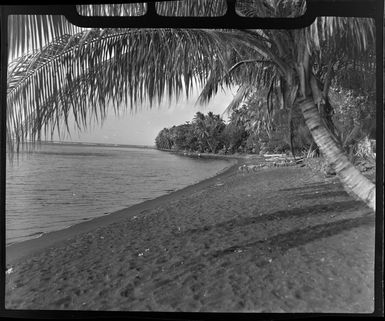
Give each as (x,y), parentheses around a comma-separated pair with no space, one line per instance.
(49,189)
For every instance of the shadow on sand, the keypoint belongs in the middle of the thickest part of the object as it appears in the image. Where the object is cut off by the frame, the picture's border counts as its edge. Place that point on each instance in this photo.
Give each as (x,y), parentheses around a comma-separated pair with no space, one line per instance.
(281,243)
(297,212)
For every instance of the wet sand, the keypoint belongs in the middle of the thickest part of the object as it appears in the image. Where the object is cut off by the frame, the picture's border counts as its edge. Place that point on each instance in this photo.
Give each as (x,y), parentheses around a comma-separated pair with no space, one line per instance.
(275,240)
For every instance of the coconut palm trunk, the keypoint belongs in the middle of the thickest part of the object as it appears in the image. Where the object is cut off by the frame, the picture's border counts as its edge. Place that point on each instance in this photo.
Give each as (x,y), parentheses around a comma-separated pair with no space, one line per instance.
(351,178)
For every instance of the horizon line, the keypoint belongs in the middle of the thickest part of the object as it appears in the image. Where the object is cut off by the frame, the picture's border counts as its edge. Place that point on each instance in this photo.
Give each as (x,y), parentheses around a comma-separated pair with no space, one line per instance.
(89,143)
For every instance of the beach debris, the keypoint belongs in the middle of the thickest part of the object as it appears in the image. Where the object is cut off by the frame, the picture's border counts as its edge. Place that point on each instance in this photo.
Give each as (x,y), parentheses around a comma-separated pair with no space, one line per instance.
(9,270)
(134,217)
(219,184)
(243,168)
(102,237)
(142,253)
(248,168)
(238,251)
(270,260)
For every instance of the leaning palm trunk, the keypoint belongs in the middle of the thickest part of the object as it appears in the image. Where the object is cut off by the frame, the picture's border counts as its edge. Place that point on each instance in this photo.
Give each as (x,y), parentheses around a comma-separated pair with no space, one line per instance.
(351,178)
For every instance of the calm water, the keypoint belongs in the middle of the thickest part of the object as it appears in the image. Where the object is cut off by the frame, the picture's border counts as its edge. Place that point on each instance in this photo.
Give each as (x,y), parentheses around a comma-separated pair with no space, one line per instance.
(61,185)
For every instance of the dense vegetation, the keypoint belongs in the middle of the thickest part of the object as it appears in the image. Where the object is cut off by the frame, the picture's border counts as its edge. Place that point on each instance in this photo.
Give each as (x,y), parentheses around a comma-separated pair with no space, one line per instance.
(209,133)
(248,131)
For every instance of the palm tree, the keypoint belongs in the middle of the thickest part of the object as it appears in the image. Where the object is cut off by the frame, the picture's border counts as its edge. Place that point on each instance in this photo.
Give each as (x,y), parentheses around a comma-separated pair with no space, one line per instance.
(163,140)
(214,126)
(79,72)
(200,130)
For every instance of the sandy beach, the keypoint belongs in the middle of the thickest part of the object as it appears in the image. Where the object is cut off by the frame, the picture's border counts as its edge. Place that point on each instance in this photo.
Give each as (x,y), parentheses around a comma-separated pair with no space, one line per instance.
(274,240)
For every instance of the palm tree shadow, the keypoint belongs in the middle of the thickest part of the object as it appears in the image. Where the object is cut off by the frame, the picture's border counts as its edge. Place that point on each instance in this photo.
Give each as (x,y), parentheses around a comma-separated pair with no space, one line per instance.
(318,190)
(311,187)
(297,212)
(328,194)
(281,243)
(264,250)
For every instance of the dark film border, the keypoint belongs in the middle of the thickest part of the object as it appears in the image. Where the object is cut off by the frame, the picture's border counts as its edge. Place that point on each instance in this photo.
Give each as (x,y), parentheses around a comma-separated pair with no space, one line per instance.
(348,8)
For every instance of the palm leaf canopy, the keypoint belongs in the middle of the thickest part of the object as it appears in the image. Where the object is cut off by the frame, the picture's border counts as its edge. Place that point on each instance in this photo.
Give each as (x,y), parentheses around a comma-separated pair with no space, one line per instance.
(181,8)
(69,72)
(81,75)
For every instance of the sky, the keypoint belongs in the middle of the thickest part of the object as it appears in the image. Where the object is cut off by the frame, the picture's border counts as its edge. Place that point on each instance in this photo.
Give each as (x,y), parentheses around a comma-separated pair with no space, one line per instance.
(141,127)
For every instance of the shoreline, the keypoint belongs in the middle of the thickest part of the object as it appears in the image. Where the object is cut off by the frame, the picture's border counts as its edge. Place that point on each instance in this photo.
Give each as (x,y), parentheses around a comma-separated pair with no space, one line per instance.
(280,239)
(22,250)
(208,155)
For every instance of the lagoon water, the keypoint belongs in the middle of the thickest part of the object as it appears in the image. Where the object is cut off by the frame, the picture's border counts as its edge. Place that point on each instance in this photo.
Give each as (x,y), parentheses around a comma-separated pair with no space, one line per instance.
(60,185)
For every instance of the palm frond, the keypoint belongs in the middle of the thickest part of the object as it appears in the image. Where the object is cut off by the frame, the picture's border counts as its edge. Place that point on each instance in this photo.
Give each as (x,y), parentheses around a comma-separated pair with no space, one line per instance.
(179,8)
(83,73)
(211,86)
(270,8)
(350,34)
(244,66)
(192,8)
(118,9)
(57,71)
(243,92)
(32,32)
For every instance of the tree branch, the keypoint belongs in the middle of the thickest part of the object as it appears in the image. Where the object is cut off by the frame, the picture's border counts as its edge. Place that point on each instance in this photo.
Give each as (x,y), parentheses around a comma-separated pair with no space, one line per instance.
(247,61)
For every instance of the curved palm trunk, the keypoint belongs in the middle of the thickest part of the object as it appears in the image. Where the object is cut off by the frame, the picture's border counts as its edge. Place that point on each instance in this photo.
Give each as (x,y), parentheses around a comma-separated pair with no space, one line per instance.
(351,178)
(291,134)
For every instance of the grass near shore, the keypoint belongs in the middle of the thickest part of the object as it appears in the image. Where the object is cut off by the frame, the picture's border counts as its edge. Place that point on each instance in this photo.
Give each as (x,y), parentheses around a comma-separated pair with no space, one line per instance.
(274,240)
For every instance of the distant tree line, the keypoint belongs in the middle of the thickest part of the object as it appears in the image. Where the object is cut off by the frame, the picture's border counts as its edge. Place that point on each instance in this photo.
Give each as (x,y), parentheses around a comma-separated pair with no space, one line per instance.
(210,134)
